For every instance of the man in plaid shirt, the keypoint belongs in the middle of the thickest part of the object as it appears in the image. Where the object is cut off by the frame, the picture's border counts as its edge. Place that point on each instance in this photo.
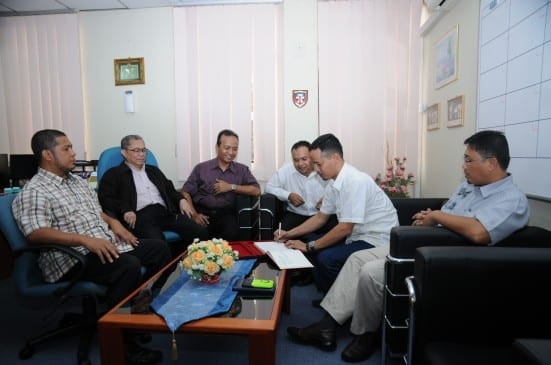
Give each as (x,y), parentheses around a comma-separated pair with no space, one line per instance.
(56,206)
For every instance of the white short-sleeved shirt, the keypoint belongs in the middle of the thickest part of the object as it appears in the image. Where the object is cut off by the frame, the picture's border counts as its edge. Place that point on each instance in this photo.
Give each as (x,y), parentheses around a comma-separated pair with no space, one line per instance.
(501,207)
(355,198)
(288,180)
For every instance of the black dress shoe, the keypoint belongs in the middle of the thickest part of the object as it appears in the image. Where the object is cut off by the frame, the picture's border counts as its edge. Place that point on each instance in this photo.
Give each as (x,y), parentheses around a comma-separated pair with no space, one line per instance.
(318,335)
(361,347)
(141,303)
(139,355)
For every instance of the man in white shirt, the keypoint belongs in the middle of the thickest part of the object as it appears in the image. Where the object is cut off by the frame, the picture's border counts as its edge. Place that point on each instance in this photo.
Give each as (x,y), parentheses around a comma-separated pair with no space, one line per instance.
(301,188)
(365,213)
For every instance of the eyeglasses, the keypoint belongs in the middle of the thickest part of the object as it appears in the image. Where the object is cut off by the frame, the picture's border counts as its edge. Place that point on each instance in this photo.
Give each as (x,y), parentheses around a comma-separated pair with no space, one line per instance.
(467,160)
(137,150)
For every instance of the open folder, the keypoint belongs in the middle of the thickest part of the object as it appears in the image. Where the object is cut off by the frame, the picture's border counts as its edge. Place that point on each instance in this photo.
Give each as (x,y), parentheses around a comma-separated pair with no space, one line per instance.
(283,257)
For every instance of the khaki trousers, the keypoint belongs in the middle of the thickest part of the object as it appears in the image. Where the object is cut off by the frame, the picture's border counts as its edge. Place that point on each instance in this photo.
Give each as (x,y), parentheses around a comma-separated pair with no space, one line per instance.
(358,291)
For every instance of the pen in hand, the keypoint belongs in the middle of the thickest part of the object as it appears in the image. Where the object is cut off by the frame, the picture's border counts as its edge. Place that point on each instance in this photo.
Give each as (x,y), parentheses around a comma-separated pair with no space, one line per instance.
(279,231)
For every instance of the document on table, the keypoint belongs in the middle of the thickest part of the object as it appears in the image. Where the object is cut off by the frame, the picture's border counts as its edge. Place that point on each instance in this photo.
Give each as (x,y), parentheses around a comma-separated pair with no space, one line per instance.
(283,257)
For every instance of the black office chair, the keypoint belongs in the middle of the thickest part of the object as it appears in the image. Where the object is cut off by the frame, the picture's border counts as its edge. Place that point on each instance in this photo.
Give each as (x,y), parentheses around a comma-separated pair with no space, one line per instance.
(33,292)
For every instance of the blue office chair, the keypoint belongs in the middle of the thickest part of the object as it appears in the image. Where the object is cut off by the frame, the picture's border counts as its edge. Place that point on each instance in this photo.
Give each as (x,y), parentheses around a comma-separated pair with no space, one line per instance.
(33,292)
(112,157)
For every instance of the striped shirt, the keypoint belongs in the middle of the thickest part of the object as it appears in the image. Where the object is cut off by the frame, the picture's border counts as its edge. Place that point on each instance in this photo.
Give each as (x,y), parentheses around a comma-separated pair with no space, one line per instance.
(67,204)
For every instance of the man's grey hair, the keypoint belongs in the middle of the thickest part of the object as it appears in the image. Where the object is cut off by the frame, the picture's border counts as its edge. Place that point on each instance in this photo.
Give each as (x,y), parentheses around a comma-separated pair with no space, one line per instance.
(125,142)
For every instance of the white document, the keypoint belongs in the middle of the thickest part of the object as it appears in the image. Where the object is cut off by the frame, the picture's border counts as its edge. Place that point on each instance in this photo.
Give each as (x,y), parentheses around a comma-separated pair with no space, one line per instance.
(283,257)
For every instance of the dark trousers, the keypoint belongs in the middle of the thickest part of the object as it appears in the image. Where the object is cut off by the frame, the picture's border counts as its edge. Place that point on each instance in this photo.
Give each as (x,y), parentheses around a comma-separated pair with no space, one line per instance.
(291,220)
(222,222)
(123,275)
(152,220)
(329,261)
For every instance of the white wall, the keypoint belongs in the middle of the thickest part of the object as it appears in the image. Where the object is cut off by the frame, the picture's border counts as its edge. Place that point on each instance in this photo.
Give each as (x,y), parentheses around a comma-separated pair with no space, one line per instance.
(148,33)
(442,149)
(300,70)
(109,35)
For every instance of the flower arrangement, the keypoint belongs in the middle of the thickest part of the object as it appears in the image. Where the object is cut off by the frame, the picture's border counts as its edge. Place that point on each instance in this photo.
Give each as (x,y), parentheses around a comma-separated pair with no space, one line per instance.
(206,260)
(395,181)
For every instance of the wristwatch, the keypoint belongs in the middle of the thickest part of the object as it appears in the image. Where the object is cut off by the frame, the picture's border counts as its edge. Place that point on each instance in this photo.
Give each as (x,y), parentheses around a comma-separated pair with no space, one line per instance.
(233,187)
(311,246)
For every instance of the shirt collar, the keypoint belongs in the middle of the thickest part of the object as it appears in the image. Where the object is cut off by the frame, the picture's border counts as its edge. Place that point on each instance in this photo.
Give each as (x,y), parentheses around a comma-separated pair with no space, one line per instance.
(494,187)
(341,176)
(56,179)
(213,165)
(134,168)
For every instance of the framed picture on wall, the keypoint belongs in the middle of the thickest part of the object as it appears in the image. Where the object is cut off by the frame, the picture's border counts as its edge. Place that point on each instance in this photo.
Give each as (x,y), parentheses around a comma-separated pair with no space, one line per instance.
(446,58)
(129,71)
(456,110)
(433,117)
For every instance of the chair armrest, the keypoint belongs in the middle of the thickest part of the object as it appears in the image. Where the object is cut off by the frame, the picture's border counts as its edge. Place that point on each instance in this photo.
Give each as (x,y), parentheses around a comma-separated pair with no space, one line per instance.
(62,291)
(529,236)
(245,203)
(404,240)
(531,351)
(247,216)
(407,207)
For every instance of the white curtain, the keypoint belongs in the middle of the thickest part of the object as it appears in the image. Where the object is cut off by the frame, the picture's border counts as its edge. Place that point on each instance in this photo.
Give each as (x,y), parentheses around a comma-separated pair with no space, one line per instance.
(42,87)
(228,75)
(369,64)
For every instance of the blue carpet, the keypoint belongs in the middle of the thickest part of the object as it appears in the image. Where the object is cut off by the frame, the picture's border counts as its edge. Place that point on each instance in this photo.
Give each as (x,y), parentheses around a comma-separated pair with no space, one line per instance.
(18,323)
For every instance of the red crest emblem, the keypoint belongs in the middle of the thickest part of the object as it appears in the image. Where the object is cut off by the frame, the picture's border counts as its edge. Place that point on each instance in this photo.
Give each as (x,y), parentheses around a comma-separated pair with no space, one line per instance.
(300,98)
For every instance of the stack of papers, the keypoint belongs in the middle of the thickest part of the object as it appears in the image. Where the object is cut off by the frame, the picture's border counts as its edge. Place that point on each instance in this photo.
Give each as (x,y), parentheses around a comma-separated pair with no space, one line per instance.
(283,257)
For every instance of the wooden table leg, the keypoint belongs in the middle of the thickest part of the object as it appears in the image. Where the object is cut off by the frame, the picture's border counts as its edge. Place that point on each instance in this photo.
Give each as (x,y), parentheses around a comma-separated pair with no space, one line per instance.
(262,349)
(111,346)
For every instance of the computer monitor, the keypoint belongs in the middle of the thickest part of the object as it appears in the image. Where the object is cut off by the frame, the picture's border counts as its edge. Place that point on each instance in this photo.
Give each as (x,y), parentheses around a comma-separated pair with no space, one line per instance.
(22,167)
(4,171)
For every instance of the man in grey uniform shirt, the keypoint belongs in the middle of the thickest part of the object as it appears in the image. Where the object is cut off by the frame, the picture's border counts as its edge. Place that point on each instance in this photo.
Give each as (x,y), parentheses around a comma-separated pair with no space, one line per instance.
(486,208)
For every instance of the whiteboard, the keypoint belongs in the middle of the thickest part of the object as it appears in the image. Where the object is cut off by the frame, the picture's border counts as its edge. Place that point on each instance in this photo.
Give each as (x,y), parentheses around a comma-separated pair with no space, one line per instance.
(514,86)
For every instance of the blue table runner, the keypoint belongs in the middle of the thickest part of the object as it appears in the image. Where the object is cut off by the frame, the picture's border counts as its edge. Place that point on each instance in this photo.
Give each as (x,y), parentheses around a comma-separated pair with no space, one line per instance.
(187,299)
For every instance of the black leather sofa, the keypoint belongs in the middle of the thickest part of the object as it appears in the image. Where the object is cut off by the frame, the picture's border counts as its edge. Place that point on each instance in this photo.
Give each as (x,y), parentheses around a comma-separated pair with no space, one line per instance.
(404,241)
(480,305)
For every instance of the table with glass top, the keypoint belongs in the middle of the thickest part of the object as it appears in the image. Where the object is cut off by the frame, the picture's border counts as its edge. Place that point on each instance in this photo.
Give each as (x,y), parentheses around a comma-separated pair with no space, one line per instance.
(255,318)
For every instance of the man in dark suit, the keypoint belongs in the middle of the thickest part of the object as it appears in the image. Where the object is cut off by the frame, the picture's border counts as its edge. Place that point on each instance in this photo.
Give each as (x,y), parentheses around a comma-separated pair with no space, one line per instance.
(141,196)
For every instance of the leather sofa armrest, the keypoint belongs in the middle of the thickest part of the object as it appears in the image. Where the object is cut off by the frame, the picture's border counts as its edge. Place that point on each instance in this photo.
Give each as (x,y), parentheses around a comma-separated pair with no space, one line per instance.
(404,240)
(531,351)
(480,295)
(529,236)
(407,207)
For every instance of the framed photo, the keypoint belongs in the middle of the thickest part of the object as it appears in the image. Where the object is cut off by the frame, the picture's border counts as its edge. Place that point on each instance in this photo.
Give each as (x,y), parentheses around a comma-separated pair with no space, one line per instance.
(129,71)
(433,117)
(446,58)
(456,110)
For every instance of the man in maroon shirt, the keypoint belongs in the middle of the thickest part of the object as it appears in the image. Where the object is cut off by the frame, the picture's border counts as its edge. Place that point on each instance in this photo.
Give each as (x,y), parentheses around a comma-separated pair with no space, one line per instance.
(212,186)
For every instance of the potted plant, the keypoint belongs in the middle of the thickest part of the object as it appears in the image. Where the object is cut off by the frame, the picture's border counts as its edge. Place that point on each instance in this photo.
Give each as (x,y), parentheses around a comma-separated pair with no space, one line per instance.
(395,181)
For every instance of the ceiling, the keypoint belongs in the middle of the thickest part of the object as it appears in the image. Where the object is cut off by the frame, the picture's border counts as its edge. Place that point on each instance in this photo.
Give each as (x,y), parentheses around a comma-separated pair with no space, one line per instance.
(32,7)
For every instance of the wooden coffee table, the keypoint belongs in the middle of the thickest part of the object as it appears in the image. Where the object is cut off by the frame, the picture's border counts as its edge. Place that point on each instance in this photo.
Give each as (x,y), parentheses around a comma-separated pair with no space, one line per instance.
(257,320)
